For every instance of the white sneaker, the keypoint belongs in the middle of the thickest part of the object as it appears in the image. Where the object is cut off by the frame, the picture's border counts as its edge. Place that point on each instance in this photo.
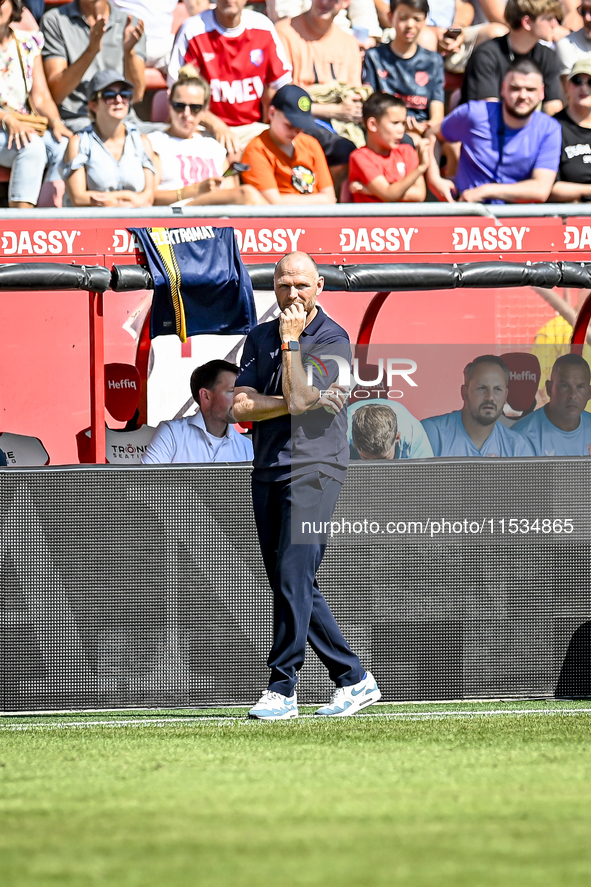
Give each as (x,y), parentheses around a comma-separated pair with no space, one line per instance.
(349,700)
(275,707)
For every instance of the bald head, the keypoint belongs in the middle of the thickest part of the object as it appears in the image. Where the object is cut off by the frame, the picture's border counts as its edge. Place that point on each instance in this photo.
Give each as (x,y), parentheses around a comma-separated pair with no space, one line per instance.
(569,391)
(297,282)
(297,260)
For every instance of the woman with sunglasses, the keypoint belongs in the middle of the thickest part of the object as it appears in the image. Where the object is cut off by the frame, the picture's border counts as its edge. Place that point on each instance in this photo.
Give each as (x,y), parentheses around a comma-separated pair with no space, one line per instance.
(189,166)
(573,182)
(21,85)
(109,163)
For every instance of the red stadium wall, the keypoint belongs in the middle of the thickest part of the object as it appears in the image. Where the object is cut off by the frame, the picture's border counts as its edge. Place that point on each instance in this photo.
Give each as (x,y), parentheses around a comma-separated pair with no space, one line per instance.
(44,351)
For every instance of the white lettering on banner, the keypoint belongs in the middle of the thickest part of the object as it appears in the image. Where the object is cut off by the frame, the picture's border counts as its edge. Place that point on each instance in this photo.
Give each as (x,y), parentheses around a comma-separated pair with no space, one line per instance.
(118,453)
(237,91)
(37,243)
(377,240)
(491,238)
(267,241)
(577,239)
(124,383)
(181,235)
(124,242)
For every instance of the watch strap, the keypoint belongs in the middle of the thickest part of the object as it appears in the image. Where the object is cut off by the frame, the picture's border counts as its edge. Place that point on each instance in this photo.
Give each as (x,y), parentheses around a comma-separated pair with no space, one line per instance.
(290,346)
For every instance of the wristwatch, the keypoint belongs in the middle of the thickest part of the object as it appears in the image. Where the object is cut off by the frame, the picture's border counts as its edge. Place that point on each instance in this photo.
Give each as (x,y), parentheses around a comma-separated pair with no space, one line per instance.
(290,346)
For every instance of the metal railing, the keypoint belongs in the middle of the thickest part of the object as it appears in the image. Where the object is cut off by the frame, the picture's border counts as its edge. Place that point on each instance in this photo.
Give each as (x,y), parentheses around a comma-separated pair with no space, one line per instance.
(336,211)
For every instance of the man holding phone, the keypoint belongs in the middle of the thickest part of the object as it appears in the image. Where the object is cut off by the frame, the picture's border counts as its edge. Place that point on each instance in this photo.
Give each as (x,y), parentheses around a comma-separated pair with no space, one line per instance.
(454,29)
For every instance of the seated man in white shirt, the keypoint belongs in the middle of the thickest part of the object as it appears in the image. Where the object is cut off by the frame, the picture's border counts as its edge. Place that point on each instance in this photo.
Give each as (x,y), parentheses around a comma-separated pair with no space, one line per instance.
(474,430)
(208,436)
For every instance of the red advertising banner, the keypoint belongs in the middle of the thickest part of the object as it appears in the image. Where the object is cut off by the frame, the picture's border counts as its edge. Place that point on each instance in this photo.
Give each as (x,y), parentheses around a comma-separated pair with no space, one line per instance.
(339,239)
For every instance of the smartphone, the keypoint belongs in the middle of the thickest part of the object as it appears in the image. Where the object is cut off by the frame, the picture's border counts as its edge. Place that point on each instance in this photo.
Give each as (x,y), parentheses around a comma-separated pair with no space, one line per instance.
(235,169)
(452,33)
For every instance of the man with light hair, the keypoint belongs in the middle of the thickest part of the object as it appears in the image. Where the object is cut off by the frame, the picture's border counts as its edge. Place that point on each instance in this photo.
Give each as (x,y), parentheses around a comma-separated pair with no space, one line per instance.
(562,427)
(475,430)
(383,430)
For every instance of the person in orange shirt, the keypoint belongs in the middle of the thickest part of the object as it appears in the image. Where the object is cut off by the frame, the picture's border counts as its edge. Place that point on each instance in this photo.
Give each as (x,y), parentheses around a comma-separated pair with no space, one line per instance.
(286,165)
(320,53)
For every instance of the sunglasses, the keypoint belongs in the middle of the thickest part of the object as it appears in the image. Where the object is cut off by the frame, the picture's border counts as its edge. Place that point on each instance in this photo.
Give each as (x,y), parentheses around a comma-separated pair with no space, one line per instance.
(577,80)
(179,107)
(110,96)
(584,11)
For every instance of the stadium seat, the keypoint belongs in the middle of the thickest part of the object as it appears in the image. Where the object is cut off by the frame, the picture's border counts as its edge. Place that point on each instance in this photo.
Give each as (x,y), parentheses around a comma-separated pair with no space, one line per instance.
(52,194)
(22,449)
(159,113)
(154,79)
(346,196)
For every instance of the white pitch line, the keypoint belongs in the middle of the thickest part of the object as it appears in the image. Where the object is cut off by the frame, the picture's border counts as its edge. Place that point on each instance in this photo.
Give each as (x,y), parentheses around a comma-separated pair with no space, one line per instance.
(220,719)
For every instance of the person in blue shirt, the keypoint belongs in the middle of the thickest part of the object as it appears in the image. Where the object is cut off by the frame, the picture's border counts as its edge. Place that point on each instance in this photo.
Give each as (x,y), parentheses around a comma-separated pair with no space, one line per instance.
(208,436)
(474,430)
(379,429)
(509,150)
(562,427)
(407,70)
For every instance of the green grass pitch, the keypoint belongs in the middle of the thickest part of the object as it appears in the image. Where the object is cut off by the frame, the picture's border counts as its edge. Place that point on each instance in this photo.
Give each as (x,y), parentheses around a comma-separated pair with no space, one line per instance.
(465,795)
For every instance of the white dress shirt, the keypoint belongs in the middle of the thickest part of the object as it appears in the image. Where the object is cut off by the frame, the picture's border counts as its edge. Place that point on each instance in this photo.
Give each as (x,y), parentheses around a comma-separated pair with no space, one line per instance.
(188,440)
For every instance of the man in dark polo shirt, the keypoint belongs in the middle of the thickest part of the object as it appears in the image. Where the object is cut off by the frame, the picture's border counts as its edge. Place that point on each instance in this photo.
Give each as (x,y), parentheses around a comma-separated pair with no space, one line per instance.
(82,38)
(301,456)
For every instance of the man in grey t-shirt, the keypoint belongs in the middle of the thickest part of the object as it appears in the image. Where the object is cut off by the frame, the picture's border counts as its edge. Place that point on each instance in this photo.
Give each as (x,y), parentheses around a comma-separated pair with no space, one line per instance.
(82,38)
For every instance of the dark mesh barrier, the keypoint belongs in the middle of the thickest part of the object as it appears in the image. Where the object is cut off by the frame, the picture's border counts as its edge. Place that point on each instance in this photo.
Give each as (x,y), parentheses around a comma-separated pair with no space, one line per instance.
(144,587)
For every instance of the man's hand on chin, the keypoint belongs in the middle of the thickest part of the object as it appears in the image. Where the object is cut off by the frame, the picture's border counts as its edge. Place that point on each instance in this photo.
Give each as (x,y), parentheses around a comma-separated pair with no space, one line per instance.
(292,321)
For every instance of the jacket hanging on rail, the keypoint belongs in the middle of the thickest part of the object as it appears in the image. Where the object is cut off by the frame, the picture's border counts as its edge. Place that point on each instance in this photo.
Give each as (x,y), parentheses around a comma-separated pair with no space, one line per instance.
(200,283)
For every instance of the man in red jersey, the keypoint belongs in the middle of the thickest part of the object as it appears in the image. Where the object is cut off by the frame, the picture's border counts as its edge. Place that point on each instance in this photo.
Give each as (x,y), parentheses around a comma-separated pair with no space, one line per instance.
(241,57)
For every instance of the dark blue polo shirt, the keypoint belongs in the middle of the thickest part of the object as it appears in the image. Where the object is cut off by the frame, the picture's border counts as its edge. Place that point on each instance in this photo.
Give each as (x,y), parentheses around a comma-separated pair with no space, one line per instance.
(317,440)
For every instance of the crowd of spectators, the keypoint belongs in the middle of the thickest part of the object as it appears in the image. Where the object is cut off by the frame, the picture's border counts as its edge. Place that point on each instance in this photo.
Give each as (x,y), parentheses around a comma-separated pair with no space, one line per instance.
(322,100)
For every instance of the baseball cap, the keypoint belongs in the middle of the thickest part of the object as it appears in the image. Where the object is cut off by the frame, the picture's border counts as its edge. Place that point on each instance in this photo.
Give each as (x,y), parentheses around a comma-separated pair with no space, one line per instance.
(295,103)
(582,66)
(102,79)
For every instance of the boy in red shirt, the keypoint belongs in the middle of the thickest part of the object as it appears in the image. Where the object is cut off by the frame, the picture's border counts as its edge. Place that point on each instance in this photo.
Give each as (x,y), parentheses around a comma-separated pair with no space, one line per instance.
(387,169)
